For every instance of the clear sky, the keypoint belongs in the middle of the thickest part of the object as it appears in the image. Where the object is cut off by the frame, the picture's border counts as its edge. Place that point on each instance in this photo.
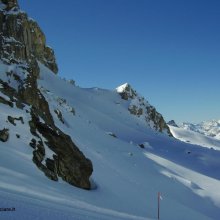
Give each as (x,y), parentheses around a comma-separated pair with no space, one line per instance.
(168,50)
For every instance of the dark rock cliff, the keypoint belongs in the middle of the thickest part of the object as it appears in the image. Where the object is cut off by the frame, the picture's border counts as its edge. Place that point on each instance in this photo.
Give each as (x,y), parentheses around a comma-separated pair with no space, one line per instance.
(22,39)
(23,45)
(172,123)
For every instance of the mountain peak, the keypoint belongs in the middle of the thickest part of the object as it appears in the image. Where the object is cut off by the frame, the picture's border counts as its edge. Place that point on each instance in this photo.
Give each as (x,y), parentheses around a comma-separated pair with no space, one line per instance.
(138,106)
(172,123)
(123,86)
(126,91)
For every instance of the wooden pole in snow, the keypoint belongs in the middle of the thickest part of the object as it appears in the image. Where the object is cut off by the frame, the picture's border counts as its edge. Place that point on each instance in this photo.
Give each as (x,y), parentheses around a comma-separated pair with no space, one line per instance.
(158,206)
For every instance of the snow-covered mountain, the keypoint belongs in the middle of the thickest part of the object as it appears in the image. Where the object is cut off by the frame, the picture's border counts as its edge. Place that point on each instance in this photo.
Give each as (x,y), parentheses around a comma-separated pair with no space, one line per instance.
(57,139)
(193,137)
(138,106)
(208,128)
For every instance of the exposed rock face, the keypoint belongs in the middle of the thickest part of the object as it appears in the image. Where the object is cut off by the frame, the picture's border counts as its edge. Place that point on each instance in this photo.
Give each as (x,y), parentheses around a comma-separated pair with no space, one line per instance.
(172,123)
(13,119)
(68,161)
(126,91)
(141,108)
(6,102)
(4,135)
(22,47)
(21,39)
(10,4)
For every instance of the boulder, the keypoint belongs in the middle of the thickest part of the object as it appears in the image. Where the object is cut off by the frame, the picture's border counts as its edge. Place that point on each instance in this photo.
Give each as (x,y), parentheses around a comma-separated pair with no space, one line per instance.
(4,135)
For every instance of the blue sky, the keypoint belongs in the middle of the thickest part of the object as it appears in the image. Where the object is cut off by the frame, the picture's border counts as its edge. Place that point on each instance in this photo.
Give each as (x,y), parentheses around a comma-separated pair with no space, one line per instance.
(168,50)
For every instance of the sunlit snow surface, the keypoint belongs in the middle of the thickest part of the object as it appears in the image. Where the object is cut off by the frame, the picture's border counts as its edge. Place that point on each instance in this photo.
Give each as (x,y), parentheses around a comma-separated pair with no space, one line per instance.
(195,138)
(209,128)
(126,178)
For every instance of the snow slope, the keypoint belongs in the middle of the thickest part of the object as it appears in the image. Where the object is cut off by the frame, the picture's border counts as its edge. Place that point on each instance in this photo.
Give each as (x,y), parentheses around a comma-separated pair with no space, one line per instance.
(126,177)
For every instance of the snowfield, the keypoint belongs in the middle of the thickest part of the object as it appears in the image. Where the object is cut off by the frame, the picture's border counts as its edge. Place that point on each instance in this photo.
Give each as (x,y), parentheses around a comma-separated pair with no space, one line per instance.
(195,138)
(126,177)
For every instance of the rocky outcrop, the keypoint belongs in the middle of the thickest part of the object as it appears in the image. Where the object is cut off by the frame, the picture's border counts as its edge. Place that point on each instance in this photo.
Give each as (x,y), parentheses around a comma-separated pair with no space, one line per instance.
(68,161)
(126,91)
(172,123)
(21,39)
(13,119)
(23,44)
(139,107)
(10,4)
(6,102)
(4,135)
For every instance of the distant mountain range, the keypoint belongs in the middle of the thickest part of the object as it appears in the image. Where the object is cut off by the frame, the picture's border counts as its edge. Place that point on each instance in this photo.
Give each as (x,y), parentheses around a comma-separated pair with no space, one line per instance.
(208,128)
